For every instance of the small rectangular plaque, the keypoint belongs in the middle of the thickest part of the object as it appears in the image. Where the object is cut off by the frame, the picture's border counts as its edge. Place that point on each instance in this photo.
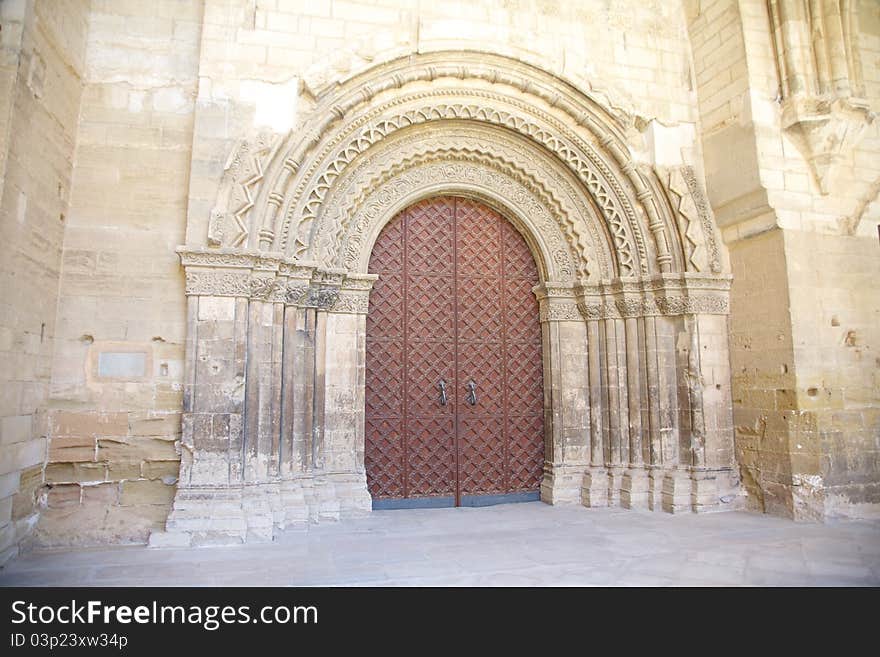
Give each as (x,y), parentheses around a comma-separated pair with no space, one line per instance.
(122,364)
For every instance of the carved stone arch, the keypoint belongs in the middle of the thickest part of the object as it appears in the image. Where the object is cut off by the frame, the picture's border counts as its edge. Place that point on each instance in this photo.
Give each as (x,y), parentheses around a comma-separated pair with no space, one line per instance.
(633,298)
(488,109)
(554,211)
(284,191)
(455,178)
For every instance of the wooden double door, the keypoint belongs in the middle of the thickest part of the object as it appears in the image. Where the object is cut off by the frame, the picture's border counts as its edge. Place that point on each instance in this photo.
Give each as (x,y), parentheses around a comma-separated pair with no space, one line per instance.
(454,373)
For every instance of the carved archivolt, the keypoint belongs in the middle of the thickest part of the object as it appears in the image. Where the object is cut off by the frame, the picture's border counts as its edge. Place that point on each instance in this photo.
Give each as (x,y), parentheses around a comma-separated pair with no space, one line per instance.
(286,189)
(590,168)
(695,220)
(563,218)
(538,150)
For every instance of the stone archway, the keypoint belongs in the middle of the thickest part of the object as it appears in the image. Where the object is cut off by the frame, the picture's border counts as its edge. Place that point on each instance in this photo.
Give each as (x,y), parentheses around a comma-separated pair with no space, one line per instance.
(633,297)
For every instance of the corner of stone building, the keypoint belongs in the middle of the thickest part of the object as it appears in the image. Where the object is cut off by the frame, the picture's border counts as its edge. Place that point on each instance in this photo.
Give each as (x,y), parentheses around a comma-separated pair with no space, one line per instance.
(803,317)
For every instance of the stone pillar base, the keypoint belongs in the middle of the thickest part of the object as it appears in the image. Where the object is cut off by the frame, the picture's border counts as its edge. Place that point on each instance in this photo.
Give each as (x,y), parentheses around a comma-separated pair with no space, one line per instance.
(634,488)
(676,495)
(295,511)
(704,490)
(255,512)
(562,483)
(655,488)
(594,492)
(204,516)
(321,497)
(615,482)
(355,500)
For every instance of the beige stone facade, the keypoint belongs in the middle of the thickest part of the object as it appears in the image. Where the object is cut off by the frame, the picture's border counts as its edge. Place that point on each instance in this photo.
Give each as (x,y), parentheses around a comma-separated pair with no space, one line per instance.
(190,190)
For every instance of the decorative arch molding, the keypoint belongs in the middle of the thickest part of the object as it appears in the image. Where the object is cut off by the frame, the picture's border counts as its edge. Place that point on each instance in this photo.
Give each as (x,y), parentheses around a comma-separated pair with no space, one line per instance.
(633,297)
(279,187)
(541,193)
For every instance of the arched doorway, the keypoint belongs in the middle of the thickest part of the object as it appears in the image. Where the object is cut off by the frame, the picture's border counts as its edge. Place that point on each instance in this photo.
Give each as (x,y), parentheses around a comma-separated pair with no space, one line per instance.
(454,382)
(633,302)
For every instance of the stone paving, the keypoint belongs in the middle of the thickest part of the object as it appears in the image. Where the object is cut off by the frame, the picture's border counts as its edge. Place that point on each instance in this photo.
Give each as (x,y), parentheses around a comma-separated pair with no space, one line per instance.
(529,544)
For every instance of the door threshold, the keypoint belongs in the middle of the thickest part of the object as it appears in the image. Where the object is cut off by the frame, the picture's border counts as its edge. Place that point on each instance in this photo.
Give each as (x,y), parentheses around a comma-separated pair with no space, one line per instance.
(447,502)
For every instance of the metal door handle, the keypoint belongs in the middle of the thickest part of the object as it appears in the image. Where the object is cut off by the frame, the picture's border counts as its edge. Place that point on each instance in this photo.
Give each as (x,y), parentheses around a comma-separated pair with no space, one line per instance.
(472,393)
(442,386)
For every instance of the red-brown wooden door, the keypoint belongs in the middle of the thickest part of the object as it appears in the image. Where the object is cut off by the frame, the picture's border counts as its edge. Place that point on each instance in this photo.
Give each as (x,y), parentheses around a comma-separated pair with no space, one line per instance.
(453,303)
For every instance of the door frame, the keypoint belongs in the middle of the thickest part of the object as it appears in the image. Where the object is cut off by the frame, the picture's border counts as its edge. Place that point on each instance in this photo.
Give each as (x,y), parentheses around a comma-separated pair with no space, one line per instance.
(563,330)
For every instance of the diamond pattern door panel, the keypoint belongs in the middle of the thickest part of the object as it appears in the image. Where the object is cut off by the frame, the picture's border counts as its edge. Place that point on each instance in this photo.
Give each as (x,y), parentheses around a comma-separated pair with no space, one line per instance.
(453,303)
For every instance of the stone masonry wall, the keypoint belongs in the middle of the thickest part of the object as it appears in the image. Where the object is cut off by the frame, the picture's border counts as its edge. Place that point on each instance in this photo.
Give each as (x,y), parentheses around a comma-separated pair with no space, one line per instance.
(112,458)
(114,415)
(163,91)
(804,253)
(42,59)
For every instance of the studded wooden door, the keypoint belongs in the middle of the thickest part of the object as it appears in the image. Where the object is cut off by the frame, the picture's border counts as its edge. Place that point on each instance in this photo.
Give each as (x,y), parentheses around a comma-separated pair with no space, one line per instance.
(454,385)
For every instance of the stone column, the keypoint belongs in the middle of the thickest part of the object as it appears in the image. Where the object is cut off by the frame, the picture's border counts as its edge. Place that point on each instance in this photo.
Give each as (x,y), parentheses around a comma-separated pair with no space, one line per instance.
(344,374)
(595,489)
(653,420)
(634,484)
(674,476)
(208,503)
(714,480)
(273,412)
(566,394)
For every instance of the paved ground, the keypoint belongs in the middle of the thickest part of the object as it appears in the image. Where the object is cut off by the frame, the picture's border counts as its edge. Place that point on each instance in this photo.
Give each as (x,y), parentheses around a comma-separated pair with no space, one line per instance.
(516,544)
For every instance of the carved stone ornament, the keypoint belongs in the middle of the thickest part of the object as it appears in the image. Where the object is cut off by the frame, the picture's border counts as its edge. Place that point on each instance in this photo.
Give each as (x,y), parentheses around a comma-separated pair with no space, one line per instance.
(487,183)
(351,302)
(322,298)
(287,190)
(622,308)
(587,165)
(696,222)
(555,311)
(218,283)
(821,83)
(506,173)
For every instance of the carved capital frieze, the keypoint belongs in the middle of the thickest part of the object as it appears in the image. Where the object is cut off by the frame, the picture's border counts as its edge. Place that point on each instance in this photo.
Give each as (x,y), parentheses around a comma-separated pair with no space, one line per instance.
(322,298)
(667,294)
(359,282)
(357,303)
(218,283)
(559,311)
(270,278)
(295,292)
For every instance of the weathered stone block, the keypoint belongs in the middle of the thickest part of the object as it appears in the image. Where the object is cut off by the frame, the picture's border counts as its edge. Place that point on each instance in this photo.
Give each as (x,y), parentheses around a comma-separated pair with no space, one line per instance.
(15,429)
(18,456)
(161,425)
(137,449)
(72,448)
(146,491)
(92,423)
(101,494)
(75,472)
(63,495)
(120,470)
(160,469)
(9,484)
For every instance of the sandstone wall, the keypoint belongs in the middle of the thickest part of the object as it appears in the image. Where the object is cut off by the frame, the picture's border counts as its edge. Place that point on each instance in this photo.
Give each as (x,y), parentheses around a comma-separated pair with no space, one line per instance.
(803,242)
(114,415)
(41,66)
(162,91)
(113,451)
